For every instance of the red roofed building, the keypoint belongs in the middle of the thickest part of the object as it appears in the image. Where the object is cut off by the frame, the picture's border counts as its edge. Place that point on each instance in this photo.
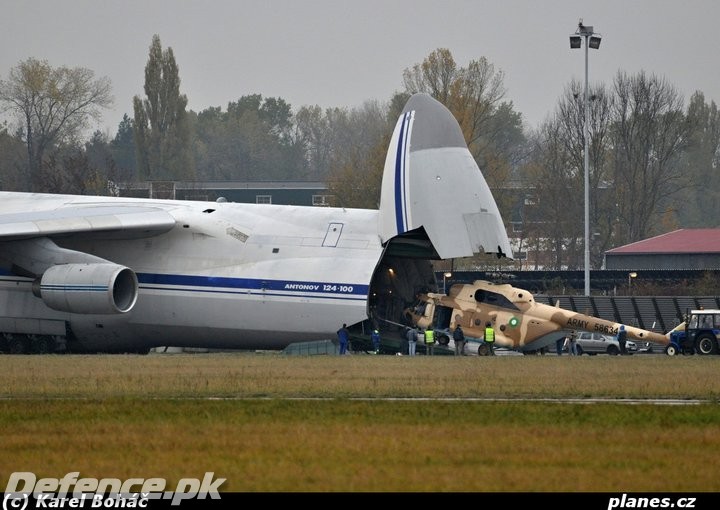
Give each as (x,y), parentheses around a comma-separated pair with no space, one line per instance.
(687,248)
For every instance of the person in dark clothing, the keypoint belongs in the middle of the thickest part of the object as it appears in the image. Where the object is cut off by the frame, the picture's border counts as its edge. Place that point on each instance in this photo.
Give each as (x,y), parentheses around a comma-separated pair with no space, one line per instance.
(572,343)
(411,336)
(622,339)
(343,337)
(459,339)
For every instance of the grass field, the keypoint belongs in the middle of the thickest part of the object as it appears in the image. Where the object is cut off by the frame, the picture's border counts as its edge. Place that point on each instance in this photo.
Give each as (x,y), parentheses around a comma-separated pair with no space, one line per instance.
(269,422)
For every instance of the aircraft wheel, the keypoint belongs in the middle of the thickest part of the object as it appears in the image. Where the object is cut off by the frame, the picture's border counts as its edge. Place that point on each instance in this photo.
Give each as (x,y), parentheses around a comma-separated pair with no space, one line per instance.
(671,350)
(18,344)
(41,344)
(483,350)
(612,350)
(59,344)
(706,344)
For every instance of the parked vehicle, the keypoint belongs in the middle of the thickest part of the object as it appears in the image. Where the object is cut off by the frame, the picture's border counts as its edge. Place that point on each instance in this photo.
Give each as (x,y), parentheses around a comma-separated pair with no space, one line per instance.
(597,343)
(700,334)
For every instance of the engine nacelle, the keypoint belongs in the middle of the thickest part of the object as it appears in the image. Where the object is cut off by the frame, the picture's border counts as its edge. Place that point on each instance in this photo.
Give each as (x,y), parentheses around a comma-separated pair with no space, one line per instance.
(88,288)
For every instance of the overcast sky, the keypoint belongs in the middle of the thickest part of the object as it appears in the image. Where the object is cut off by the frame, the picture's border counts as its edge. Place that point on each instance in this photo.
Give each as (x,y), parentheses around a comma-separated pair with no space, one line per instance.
(342,53)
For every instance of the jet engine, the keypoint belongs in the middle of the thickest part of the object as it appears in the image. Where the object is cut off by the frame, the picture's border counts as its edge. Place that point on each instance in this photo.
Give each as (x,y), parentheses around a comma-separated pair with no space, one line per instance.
(88,288)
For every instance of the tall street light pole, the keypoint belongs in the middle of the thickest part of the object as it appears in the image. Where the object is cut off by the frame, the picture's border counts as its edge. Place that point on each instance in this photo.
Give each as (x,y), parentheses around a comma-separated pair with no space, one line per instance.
(592,40)
(446,275)
(631,275)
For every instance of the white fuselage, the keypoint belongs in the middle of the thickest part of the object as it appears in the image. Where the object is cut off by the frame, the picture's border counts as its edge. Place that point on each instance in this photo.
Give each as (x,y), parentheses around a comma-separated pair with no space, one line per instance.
(242,276)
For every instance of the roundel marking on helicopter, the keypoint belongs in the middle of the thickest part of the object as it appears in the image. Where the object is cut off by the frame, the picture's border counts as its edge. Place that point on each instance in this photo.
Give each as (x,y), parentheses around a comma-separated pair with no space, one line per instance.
(513,321)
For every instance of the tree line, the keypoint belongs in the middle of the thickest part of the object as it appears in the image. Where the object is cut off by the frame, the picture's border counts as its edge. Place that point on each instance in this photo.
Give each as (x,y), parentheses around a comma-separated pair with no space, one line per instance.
(653,161)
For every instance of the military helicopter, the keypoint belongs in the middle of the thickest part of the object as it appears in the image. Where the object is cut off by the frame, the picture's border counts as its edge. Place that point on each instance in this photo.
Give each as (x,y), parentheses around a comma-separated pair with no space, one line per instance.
(519,322)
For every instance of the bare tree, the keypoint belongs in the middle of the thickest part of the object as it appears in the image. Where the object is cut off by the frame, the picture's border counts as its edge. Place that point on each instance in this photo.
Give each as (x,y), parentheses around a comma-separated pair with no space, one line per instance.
(358,156)
(491,128)
(476,95)
(650,133)
(552,208)
(357,180)
(473,94)
(13,162)
(314,131)
(434,76)
(340,144)
(53,105)
(602,207)
(70,171)
(699,204)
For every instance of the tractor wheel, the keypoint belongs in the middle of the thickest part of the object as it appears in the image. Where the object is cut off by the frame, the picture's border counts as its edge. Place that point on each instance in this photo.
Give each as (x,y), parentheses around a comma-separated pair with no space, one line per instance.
(706,344)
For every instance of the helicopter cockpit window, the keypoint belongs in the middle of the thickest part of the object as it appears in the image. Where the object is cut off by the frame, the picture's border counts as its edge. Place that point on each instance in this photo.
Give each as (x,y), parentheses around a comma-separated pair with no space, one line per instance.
(494,299)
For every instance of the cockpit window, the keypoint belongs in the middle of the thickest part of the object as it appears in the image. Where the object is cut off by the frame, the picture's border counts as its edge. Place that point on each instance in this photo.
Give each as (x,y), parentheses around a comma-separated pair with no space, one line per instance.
(494,299)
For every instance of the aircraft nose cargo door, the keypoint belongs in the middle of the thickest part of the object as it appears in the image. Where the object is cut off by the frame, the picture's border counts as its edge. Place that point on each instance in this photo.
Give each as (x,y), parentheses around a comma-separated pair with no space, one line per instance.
(428,162)
(333,234)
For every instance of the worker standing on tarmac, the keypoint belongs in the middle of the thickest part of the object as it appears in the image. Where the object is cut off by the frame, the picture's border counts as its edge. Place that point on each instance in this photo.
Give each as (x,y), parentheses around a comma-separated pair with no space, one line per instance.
(429,341)
(622,339)
(459,339)
(419,336)
(343,338)
(490,338)
(411,336)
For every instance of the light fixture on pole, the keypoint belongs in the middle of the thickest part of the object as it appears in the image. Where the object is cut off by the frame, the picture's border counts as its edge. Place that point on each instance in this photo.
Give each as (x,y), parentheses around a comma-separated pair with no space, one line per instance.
(592,40)
(631,275)
(446,275)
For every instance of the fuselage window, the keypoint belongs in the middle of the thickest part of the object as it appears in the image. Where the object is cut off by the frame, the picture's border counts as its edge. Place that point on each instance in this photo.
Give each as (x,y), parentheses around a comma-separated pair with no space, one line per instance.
(494,299)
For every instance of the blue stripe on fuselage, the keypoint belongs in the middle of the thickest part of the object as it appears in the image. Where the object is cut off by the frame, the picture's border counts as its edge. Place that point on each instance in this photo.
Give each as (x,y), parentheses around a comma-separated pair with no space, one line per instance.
(226,285)
(274,287)
(400,166)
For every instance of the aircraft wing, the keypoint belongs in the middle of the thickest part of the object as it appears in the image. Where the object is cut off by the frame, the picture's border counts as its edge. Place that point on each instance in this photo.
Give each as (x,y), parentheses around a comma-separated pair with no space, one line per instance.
(432,183)
(29,222)
(18,221)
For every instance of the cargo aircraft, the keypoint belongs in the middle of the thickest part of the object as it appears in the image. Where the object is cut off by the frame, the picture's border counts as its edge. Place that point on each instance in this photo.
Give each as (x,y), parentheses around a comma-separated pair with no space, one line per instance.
(115,274)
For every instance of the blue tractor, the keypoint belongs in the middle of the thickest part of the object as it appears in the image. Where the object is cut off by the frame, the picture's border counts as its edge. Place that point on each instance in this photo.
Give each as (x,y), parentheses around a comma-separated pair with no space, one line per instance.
(698,334)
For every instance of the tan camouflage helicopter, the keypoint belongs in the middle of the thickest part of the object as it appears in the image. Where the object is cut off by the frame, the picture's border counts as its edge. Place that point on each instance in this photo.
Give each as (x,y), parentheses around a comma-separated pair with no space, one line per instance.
(519,322)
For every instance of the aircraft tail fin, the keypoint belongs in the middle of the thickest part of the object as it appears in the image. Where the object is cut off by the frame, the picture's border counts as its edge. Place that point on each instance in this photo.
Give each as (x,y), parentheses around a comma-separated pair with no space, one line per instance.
(431,183)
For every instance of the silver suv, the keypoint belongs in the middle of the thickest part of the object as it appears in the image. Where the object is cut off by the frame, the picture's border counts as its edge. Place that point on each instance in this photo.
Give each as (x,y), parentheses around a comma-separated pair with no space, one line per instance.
(596,343)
